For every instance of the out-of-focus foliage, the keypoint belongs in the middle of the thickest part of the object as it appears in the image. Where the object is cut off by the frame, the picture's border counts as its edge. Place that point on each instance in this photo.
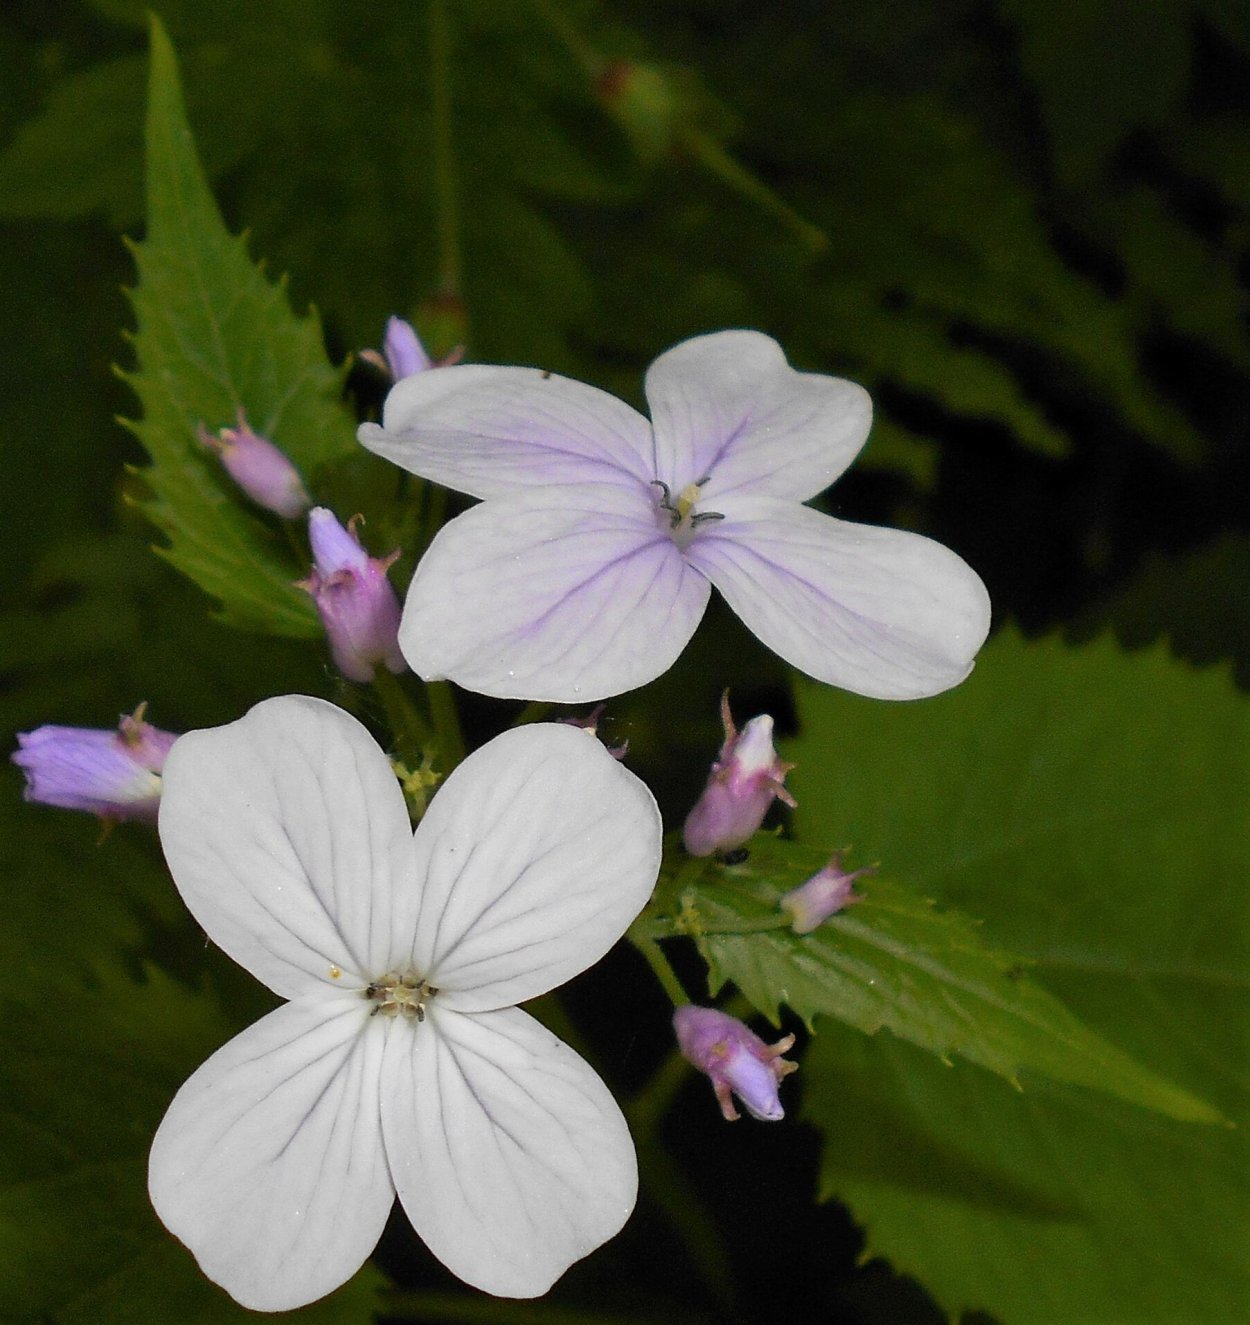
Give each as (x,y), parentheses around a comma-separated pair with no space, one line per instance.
(1093,810)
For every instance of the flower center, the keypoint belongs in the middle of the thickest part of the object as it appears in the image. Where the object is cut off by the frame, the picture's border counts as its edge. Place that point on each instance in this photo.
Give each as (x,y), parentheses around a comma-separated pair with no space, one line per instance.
(680,517)
(400,995)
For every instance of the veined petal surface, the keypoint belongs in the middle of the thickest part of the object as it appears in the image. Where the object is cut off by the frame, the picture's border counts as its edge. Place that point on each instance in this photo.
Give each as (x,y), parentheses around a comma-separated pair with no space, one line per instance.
(569,595)
(288,837)
(269,1164)
(880,612)
(511,1158)
(536,854)
(729,407)
(490,431)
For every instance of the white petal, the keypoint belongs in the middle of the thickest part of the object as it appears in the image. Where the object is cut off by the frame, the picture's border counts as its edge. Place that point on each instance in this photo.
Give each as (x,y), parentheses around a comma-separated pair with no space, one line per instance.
(569,595)
(510,1156)
(536,855)
(490,431)
(288,837)
(880,612)
(730,407)
(269,1164)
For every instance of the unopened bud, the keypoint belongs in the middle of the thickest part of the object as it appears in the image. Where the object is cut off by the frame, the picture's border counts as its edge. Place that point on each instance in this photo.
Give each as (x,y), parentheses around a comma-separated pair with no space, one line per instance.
(354,599)
(264,472)
(745,780)
(115,774)
(823,895)
(736,1060)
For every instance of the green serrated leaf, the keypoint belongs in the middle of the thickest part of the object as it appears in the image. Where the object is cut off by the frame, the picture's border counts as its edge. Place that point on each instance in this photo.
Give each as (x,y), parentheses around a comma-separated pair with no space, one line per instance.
(215,336)
(898,962)
(1091,807)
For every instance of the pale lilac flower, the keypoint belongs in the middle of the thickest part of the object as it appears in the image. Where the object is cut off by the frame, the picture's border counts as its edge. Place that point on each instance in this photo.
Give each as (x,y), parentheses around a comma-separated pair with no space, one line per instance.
(736,1059)
(115,774)
(264,472)
(400,1063)
(823,895)
(402,351)
(354,598)
(589,563)
(746,778)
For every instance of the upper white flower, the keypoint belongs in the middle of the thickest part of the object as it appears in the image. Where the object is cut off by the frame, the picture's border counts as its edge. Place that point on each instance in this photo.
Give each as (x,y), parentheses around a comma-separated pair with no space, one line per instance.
(587,567)
(400,1063)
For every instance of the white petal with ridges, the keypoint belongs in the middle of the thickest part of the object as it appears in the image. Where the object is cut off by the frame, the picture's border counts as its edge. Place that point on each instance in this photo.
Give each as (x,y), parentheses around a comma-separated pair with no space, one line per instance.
(536,855)
(490,431)
(728,406)
(288,837)
(511,1158)
(269,1163)
(880,612)
(569,595)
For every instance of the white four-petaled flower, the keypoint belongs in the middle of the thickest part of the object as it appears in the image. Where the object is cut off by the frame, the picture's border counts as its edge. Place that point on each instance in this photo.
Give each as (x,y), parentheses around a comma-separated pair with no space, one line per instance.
(400,1063)
(589,563)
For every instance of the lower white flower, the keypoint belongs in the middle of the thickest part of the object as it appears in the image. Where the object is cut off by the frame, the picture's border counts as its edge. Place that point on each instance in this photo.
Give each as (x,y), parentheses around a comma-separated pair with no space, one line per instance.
(400,1063)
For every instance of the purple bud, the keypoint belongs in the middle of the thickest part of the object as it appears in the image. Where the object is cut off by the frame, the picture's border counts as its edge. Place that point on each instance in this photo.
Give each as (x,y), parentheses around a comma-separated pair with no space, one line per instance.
(260,469)
(405,355)
(115,774)
(354,599)
(824,894)
(745,780)
(736,1059)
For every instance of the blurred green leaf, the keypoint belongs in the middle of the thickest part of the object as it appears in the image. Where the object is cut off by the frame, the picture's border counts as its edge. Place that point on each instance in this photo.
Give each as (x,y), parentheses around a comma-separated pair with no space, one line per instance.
(1092,808)
(1094,86)
(81,152)
(895,961)
(213,337)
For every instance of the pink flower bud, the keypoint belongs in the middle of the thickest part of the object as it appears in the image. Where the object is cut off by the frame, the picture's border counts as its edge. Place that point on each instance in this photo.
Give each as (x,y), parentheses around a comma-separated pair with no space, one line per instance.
(115,774)
(736,1059)
(824,894)
(259,468)
(745,780)
(404,352)
(354,599)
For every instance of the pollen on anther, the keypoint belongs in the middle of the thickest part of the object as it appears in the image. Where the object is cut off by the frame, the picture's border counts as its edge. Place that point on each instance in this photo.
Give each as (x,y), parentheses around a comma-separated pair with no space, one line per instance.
(335,973)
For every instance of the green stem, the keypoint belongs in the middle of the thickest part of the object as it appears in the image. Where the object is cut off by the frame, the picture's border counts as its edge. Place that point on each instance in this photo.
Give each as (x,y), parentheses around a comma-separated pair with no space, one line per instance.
(409,729)
(535,711)
(442,150)
(447,734)
(713,157)
(639,935)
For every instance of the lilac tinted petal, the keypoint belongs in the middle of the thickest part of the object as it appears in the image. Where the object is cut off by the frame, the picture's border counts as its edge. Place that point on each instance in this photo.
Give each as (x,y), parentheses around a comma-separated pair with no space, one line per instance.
(730,407)
(288,837)
(879,612)
(571,596)
(84,768)
(536,854)
(511,1158)
(490,431)
(269,1164)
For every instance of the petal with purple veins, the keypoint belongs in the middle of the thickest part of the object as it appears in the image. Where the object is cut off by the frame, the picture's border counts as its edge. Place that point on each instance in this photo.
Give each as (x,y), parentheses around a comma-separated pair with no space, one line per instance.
(569,595)
(729,408)
(492,431)
(879,612)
